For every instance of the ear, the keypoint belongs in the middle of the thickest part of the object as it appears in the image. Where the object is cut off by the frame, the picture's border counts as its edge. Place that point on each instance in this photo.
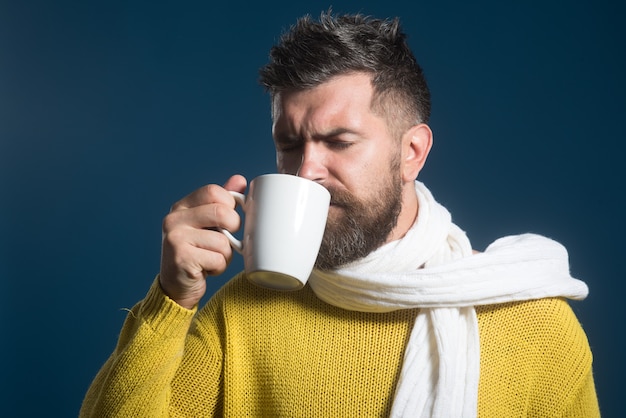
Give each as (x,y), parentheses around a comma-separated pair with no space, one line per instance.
(416,144)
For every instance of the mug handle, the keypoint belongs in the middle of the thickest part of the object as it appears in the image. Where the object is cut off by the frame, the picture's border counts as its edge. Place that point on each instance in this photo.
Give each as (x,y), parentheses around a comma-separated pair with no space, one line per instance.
(237,245)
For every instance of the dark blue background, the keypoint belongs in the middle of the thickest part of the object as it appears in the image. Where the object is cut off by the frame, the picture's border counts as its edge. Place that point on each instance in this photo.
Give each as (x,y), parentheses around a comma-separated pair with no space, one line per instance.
(110,111)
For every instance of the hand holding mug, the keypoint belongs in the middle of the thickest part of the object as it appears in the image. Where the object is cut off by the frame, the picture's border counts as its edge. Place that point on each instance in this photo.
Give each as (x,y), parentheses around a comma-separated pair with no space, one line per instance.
(192,246)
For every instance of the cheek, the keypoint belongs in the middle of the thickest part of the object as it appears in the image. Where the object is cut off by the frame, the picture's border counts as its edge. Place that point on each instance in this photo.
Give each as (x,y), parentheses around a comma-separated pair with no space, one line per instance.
(372,176)
(364,170)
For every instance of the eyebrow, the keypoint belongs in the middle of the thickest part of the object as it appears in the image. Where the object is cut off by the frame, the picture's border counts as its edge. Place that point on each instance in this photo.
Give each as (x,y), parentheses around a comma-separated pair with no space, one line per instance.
(285,137)
(334,132)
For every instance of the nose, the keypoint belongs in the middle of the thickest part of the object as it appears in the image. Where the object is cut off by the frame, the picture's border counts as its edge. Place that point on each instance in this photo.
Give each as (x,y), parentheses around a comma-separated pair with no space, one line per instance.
(313,164)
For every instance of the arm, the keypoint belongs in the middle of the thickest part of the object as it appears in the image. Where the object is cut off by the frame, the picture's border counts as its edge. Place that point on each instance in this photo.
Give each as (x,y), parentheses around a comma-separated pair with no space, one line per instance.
(566,383)
(137,379)
(584,402)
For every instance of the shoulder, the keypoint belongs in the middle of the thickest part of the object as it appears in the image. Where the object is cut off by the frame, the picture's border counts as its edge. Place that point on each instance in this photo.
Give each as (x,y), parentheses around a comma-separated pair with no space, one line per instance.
(539,319)
(546,327)
(537,347)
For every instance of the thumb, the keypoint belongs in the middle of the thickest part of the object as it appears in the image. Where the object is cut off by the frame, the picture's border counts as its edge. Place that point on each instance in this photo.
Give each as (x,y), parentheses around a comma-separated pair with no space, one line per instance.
(236,183)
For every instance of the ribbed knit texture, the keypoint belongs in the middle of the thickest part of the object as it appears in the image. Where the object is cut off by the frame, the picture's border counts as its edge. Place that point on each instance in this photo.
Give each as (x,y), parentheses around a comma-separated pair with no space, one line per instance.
(256,352)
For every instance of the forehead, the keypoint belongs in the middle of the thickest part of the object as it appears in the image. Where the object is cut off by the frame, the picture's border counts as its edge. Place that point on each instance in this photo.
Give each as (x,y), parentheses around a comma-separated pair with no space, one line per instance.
(346,96)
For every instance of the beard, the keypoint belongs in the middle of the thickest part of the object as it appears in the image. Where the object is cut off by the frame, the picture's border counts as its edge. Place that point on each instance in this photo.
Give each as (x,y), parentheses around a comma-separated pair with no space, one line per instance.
(359,226)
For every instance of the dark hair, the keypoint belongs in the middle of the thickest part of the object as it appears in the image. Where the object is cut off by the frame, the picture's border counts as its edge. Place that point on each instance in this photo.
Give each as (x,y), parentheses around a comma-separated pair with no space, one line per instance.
(311,52)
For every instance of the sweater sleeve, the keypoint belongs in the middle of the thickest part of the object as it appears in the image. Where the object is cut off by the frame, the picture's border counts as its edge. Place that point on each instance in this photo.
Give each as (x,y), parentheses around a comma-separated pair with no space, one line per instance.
(584,401)
(136,379)
(535,361)
(567,355)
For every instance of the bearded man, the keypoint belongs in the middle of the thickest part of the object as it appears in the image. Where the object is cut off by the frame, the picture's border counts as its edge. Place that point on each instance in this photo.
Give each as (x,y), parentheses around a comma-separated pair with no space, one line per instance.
(400,316)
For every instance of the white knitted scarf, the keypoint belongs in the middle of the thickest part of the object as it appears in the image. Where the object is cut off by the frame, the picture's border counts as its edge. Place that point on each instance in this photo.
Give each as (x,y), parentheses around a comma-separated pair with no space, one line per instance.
(432,268)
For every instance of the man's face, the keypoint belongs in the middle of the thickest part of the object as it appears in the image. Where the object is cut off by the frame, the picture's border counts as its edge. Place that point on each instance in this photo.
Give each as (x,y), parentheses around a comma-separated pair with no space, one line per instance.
(330,135)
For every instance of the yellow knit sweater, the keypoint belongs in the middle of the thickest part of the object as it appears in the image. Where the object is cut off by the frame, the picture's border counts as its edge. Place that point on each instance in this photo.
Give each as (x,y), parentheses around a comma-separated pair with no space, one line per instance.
(256,352)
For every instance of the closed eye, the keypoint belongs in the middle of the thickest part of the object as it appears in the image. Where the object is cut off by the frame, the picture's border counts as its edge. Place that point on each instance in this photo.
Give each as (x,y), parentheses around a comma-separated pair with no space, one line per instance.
(288,145)
(339,145)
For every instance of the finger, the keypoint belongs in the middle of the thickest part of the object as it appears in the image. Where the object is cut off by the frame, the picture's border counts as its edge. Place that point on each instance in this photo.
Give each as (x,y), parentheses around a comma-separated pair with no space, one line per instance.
(211,193)
(236,183)
(203,217)
(197,263)
(205,239)
(194,251)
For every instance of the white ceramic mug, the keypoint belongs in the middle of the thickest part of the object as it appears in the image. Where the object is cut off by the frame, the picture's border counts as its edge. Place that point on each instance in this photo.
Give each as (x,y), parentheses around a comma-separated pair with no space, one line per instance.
(285,218)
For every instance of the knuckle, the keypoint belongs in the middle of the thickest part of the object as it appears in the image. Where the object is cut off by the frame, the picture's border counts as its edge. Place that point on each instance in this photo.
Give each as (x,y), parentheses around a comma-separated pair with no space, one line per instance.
(177,206)
(169,221)
(173,237)
(220,212)
(225,217)
(212,190)
(219,263)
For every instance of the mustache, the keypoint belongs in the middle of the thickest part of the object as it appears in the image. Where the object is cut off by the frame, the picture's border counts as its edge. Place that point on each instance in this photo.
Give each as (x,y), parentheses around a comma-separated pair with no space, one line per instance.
(341,198)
